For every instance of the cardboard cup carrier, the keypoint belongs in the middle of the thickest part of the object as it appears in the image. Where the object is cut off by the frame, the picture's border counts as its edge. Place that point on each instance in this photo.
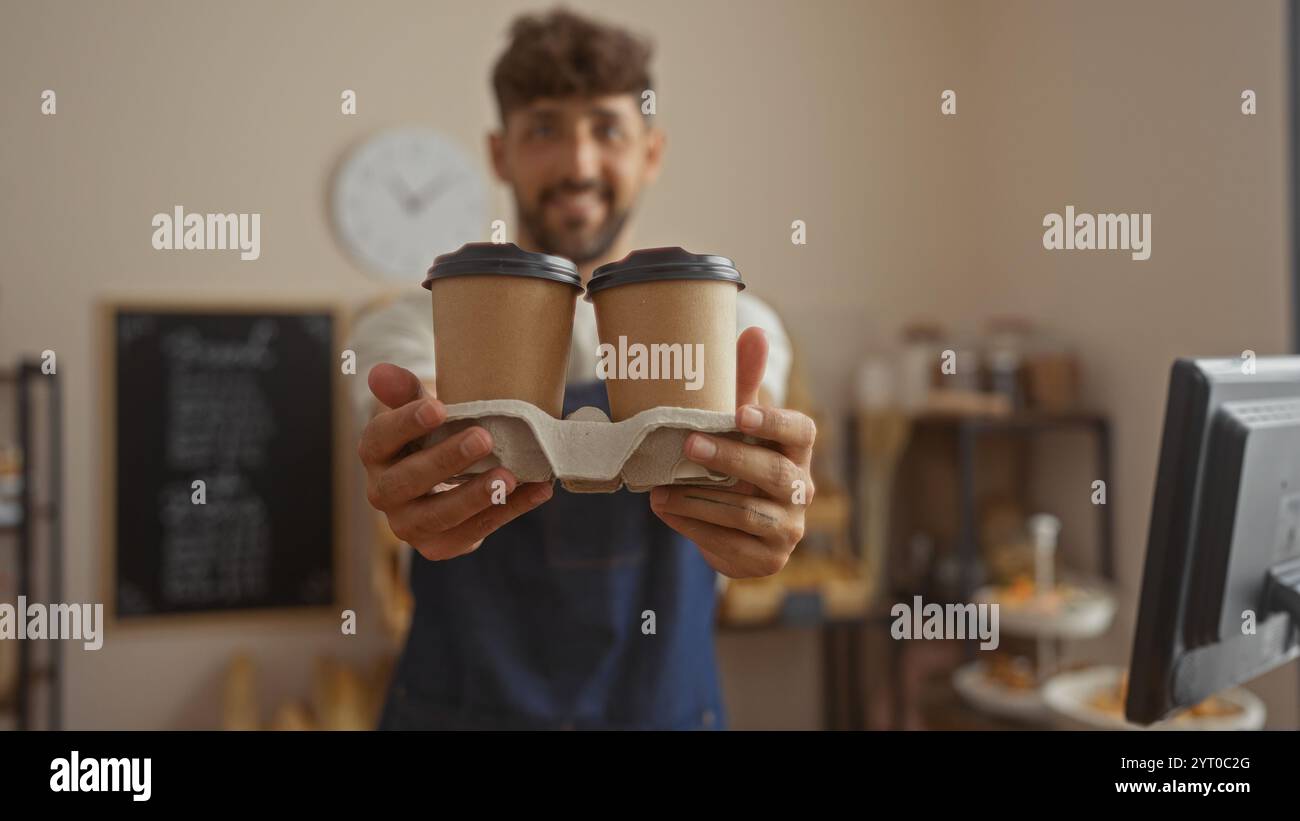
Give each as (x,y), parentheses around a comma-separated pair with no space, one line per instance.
(503,318)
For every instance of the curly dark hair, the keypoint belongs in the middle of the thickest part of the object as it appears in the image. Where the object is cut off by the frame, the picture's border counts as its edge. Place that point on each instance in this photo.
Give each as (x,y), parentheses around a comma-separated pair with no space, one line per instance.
(562,54)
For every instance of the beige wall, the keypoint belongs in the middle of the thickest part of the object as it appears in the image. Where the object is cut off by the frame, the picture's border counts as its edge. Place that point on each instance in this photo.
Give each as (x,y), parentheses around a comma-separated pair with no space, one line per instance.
(826,112)
(1114,106)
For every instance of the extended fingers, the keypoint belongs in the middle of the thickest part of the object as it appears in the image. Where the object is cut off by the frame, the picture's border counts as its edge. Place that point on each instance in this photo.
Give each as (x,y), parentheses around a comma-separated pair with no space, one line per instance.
(468,535)
(418,473)
(387,433)
(425,518)
(732,553)
(751,363)
(768,470)
(394,386)
(759,517)
(794,431)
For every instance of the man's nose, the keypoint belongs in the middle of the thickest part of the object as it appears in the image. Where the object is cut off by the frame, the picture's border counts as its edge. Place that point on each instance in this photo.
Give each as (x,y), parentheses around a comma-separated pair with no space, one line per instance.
(582,158)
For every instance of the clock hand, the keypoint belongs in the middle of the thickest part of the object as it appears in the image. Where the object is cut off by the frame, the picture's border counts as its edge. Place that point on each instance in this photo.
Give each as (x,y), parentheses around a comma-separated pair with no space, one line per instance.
(400,190)
(422,194)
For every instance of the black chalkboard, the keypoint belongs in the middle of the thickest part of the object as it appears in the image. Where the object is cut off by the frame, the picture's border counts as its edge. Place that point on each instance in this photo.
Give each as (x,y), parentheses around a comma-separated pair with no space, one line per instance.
(243,402)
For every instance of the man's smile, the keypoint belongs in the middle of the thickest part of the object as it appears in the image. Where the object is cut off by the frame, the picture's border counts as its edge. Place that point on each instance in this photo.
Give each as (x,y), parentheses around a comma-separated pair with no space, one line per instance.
(572,206)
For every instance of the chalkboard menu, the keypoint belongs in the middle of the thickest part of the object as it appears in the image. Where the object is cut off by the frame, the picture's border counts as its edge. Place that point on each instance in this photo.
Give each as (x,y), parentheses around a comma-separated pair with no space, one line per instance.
(223,447)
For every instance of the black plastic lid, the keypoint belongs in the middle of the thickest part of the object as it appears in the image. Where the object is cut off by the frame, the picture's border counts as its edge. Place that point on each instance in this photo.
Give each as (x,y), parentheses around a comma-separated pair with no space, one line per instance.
(651,264)
(506,259)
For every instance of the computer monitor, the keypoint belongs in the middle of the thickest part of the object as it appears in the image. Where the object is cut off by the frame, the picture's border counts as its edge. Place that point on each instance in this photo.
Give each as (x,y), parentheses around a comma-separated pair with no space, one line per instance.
(1221,586)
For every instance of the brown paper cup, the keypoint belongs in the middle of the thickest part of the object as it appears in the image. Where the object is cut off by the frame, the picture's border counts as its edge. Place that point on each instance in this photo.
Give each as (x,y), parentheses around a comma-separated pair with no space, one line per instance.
(501,332)
(667,326)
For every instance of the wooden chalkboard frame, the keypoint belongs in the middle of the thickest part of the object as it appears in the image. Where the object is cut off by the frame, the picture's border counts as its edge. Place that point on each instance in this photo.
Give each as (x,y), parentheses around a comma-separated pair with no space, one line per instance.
(106,310)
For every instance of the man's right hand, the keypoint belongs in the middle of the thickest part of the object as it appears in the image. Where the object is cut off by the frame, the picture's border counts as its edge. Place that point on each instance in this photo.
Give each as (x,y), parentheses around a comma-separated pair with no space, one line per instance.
(439,522)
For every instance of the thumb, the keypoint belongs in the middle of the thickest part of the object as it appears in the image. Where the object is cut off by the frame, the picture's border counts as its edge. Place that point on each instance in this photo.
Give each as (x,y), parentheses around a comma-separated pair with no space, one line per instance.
(394,386)
(751,363)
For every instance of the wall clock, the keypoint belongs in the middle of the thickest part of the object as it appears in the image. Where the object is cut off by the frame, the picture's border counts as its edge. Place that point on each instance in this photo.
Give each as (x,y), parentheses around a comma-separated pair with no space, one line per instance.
(404,196)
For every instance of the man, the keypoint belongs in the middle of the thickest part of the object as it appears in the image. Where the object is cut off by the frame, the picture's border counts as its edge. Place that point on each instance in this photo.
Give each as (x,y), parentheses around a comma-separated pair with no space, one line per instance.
(529,614)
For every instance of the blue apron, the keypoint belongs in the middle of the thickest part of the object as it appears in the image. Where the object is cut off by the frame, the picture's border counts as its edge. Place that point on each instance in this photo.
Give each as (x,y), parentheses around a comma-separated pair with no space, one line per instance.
(542,626)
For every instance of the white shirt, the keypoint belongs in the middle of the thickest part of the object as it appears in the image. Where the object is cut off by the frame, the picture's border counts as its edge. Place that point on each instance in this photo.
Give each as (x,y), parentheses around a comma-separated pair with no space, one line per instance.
(401,332)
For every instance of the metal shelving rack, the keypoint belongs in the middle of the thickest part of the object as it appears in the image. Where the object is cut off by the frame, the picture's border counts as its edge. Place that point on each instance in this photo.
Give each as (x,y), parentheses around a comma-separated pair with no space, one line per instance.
(25,381)
(1030,425)
(969,430)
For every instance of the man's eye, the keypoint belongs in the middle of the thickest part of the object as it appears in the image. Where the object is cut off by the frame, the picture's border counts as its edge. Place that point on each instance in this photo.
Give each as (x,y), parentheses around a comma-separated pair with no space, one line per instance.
(541,131)
(610,132)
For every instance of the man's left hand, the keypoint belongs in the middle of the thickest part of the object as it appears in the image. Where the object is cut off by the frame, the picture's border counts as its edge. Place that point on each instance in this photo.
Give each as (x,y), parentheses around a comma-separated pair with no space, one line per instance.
(751,528)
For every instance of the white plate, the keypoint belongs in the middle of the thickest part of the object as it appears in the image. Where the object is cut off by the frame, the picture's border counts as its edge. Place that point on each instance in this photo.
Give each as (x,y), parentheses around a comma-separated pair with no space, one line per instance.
(1088,615)
(1066,696)
(972,683)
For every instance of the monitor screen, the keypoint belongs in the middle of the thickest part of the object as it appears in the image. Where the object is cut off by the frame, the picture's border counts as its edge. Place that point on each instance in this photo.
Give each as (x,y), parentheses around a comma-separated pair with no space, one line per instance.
(1225,520)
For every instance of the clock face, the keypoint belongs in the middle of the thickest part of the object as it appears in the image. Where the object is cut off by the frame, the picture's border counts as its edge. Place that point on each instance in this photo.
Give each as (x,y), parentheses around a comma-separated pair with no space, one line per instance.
(404,197)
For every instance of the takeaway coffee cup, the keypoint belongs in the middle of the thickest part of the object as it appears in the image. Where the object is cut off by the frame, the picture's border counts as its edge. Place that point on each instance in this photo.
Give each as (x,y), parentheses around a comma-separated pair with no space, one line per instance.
(667,325)
(502,318)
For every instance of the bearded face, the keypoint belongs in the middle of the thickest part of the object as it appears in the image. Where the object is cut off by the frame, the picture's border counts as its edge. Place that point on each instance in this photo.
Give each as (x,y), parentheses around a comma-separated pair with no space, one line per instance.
(576,166)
